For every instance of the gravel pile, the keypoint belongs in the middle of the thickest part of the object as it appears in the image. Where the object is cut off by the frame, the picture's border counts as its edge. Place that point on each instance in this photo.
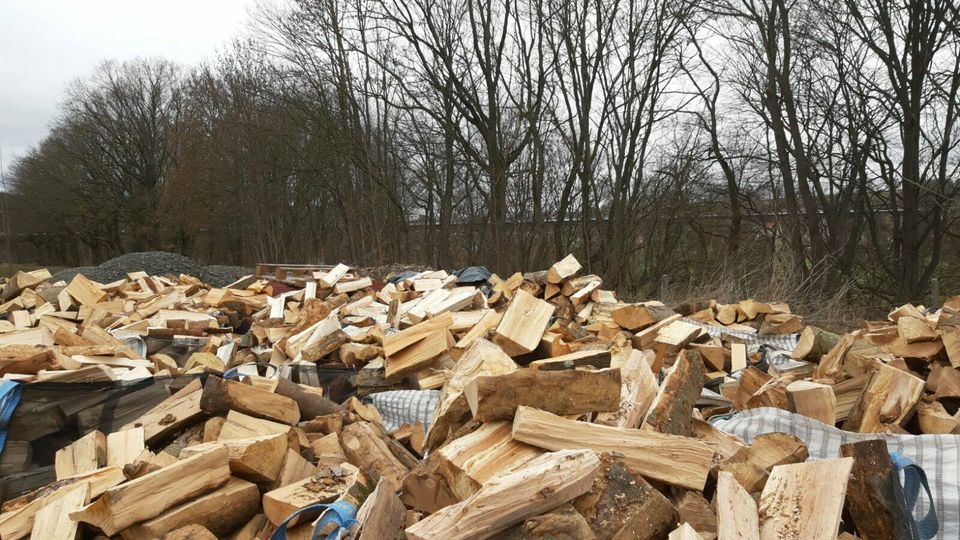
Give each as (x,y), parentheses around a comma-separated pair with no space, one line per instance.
(155,263)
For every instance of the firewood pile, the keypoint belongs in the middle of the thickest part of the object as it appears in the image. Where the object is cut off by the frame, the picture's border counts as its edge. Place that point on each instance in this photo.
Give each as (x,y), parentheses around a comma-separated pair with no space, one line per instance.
(563,412)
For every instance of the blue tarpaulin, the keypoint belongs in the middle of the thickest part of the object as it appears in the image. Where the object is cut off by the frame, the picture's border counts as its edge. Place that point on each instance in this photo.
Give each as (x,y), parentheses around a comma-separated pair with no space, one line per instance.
(9,399)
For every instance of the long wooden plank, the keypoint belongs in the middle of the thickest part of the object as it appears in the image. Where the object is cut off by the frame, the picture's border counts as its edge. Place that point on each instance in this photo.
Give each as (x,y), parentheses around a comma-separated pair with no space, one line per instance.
(680,461)
(541,485)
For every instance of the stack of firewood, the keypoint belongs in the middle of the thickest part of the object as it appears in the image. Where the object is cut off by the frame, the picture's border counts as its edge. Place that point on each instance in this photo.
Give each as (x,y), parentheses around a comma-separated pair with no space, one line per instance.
(563,412)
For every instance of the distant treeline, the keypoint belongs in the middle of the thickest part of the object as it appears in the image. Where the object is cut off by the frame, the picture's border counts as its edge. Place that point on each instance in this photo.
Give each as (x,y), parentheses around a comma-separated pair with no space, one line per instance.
(805,148)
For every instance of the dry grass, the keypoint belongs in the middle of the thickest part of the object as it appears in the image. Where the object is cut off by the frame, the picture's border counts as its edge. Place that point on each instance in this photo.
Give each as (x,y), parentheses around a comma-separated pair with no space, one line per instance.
(820,298)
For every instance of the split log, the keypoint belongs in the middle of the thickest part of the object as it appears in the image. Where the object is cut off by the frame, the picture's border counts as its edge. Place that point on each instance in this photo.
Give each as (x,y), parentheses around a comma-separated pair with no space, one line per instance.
(913,330)
(596,358)
(86,454)
(149,496)
(887,401)
(470,461)
(737,517)
(190,532)
(294,469)
(633,317)
(505,500)
(17,518)
(220,511)
(695,509)
(671,411)
(563,522)
(364,448)
(621,504)
(426,489)
(684,532)
(483,358)
(646,451)
(813,400)
(172,414)
(123,447)
(871,500)
(637,393)
(814,343)
(311,404)
(257,459)
(382,514)
(805,500)
(523,324)
(328,484)
(564,269)
(221,395)
(934,419)
(560,392)
(53,522)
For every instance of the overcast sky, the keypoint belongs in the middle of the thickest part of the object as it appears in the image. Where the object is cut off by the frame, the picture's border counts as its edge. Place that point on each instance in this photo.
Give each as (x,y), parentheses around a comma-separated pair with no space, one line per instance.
(46,44)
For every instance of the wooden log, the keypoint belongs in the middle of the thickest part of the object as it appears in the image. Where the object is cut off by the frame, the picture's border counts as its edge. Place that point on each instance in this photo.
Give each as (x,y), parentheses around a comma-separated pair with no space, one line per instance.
(294,469)
(596,358)
(621,504)
(871,499)
(814,343)
(190,532)
(562,522)
(561,392)
(637,393)
(695,509)
(84,291)
(482,358)
(86,454)
(382,514)
(523,324)
(913,329)
(425,488)
(888,400)
(150,495)
(220,396)
(311,404)
(645,451)
(123,447)
(672,409)
(172,414)
(738,356)
(53,522)
(329,279)
(804,500)
(813,400)
(364,448)
(951,343)
(564,269)
(257,459)
(16,521)
(220,511)
(470,461)
(421,354)
(326,485)
(934,419)
(737,517)
(505,500)
(634,317)
(684,532)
